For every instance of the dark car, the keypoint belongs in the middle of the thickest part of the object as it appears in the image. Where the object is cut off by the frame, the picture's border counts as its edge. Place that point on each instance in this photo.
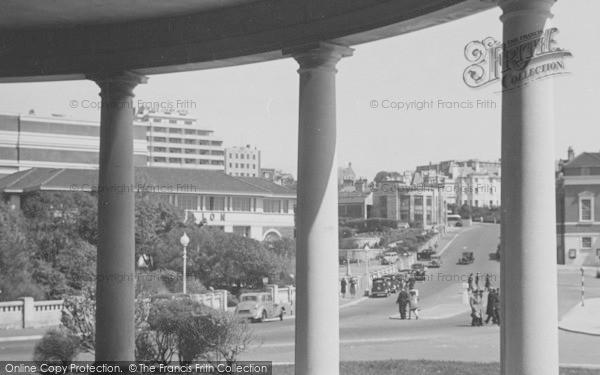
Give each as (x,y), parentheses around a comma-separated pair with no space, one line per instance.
(419,271)
(379,288)
(425,254)
(467,258)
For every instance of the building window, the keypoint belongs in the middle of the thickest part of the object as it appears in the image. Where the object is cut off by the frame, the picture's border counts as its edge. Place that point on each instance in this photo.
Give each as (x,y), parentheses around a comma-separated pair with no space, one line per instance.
(428,201)
(188,122)
(175,140)
(187,201)
(236,165)
(418,201)
(230,156)
(241,204)
(242,231)
(272,205)
(190,141)
(156,120)
(190,151)
(160,160)
(586,204)
(175,160)
(586,242)
(286,206)
(190,161)
(160,149)
(242,156)
(230,165)
(175,150)
(254,157)
(175,131)
(160,139)
(216,204)
(160,130)
(172,121)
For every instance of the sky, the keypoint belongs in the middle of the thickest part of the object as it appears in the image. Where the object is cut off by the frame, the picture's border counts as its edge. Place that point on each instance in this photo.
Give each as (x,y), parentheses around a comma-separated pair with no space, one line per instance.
(258,104)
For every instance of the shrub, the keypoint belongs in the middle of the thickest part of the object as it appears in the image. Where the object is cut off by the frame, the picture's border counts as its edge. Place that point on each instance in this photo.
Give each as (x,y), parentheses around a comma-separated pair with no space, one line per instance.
(348,243)
(346,232)
(57,346)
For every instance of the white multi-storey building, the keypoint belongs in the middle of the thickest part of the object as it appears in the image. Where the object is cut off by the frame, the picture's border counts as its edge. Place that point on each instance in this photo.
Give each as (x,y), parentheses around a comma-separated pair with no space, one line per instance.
(242,161)
(175,140)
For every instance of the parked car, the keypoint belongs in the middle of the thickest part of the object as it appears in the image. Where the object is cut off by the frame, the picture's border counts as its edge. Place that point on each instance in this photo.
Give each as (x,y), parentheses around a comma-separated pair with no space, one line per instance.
(467,258)
(419,271)
(435,262)
(379,288)
(260,307)
(426,254)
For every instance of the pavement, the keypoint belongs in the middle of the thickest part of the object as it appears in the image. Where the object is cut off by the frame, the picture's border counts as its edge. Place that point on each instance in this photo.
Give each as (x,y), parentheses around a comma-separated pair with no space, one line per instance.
(583,319)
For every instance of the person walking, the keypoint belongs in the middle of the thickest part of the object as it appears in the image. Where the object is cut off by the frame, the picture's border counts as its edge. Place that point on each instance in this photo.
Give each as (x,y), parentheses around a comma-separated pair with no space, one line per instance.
(413,305)
(402,301)
(470,282)
(477,280)
(488,282)
(344,283)
(496,318)
(352,287)
(489,309)
(475,303)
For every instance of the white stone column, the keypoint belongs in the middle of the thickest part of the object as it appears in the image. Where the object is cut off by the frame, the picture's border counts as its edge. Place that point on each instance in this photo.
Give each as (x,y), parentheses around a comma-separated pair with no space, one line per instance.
(317,320)
(115,285)
(529,281)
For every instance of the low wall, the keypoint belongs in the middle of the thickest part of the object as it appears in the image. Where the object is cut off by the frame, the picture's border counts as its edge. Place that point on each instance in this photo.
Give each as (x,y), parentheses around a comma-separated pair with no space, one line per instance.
(27,313)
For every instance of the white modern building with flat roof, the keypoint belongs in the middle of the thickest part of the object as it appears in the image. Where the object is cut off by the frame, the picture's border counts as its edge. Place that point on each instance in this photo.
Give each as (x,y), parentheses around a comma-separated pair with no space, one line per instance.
(242,161)
(55,141)
(176,140)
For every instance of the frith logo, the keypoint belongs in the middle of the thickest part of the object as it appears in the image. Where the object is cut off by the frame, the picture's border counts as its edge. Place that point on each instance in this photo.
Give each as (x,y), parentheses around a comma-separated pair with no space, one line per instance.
(517,62)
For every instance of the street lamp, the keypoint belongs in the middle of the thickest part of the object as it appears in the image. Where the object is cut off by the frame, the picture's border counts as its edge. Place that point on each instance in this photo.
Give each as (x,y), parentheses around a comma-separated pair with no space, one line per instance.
(184,240)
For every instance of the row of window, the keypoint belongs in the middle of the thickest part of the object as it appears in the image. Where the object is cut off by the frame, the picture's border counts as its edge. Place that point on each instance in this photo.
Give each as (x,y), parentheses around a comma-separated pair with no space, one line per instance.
(187,141)
(181,131)
(242,165)
(242,174)
(241,156)
(170,121)
(186,151)
(159,159)
(216,203)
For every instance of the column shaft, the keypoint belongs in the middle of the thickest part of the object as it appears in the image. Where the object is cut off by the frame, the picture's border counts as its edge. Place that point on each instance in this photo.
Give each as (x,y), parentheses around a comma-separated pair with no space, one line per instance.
(115,286)
(529,281)
(317,321)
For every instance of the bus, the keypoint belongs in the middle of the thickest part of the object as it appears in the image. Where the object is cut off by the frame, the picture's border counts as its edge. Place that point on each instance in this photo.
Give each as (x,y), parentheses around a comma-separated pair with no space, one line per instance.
(453,220)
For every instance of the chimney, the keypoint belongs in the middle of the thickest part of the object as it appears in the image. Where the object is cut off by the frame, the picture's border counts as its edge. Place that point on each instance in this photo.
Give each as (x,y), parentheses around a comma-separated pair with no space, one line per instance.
(570,154)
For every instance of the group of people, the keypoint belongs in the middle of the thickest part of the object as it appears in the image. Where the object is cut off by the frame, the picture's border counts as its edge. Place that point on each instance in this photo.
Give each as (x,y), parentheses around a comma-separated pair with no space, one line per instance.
(352,287)
(408,302)
(492,308)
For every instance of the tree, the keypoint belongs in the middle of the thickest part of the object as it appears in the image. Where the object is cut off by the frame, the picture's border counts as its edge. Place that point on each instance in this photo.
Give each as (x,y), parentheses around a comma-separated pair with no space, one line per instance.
(153,220)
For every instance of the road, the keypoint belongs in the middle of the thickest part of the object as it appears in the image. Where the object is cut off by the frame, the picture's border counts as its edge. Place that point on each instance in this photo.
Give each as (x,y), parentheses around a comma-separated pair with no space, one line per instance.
(442,333)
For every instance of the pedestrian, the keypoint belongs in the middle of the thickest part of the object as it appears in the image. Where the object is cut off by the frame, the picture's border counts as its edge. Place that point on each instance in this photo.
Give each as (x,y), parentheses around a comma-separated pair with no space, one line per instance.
(411,282)
(344,283)
(477,279)
(489,309)
(470,282)
(488,282)
(475,303)
(496,319)
(353,287)
(403,301)
(413,305)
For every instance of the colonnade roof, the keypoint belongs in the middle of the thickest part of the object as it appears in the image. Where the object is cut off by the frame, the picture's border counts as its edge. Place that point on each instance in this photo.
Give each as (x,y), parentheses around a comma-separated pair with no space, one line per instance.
(69,39)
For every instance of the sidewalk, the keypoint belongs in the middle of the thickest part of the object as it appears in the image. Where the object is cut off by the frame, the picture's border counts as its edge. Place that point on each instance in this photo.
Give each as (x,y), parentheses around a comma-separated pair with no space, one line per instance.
(22,334)
(584,319)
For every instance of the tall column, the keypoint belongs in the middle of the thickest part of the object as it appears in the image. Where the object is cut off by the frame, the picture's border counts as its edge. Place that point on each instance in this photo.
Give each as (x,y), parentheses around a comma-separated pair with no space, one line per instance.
(317,321)
(115,285)
(529,282)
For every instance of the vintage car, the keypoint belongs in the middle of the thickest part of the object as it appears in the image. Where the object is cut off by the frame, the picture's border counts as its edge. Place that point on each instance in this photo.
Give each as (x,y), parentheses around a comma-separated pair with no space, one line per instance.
(379,288)
(260,306)
(467,258)
(419,271)
(426,254)
(435,262)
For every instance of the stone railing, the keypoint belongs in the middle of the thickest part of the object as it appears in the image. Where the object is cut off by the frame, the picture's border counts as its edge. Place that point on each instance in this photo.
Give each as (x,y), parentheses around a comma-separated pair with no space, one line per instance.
(27,313)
